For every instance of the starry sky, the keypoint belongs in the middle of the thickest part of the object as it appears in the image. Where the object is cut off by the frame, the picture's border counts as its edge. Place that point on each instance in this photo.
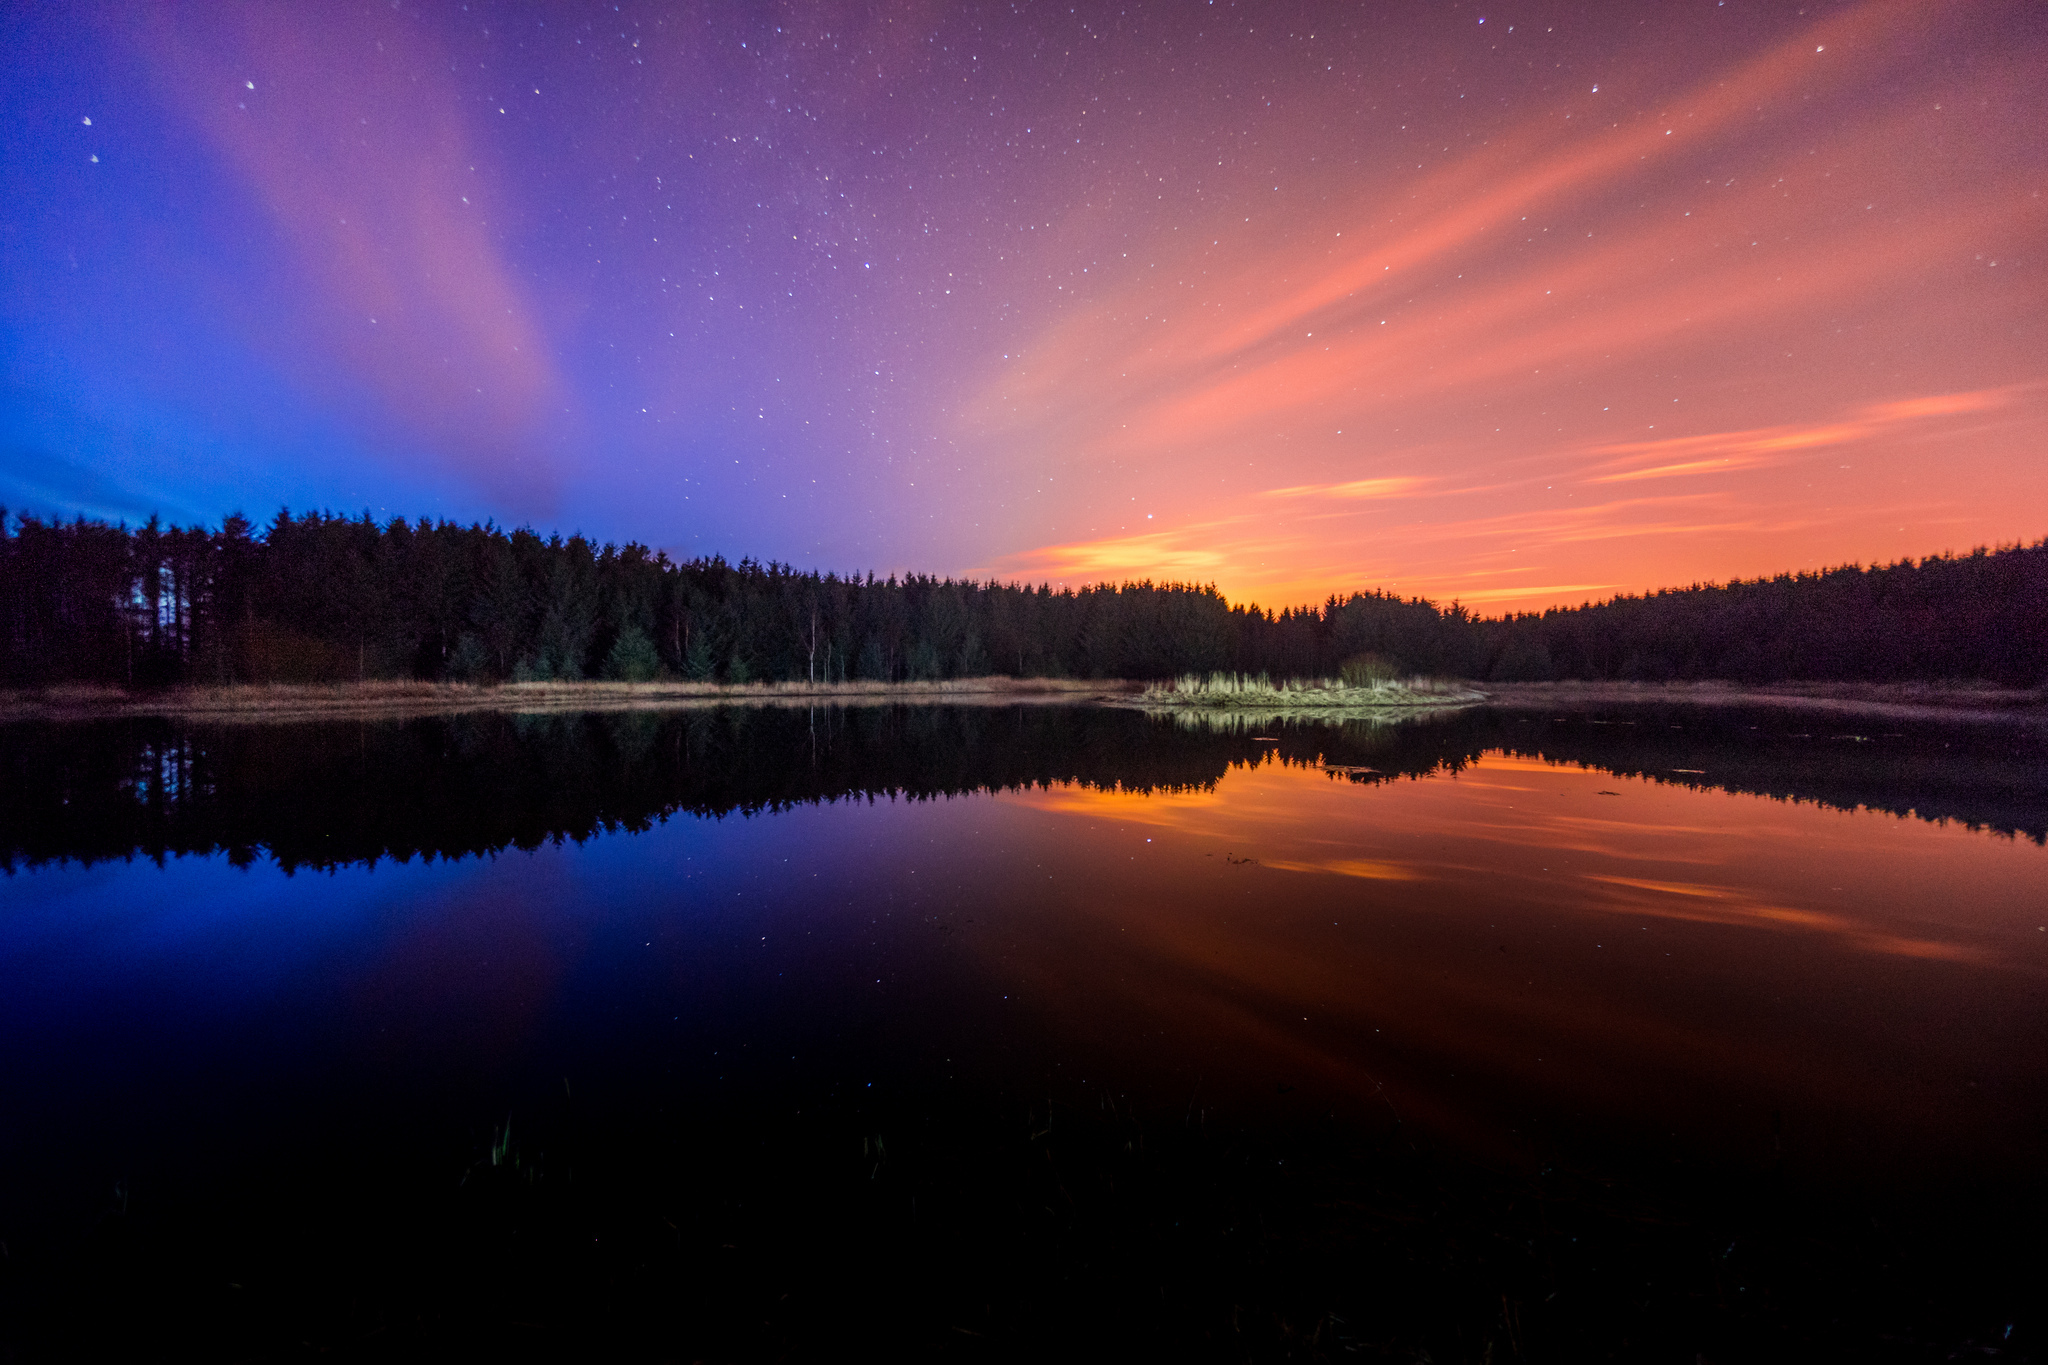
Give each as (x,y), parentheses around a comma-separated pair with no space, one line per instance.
(1514,303)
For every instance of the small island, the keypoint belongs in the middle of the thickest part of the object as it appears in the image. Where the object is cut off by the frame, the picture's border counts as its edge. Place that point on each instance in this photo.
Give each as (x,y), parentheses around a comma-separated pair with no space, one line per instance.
(1364,684)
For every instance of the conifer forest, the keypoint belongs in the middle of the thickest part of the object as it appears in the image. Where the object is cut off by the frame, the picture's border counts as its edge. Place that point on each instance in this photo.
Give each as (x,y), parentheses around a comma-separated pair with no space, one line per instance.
(318,597)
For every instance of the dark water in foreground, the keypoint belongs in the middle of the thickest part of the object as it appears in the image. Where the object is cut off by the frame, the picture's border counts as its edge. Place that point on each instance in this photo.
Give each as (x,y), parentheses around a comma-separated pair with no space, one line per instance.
(992,1033)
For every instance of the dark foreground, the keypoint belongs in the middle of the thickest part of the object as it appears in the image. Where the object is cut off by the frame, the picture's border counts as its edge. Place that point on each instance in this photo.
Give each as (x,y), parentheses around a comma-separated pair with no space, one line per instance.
(1055,1232)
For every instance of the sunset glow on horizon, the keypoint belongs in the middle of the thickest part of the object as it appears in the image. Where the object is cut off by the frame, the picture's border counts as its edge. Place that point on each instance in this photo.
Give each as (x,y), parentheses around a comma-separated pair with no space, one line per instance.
(1518,305)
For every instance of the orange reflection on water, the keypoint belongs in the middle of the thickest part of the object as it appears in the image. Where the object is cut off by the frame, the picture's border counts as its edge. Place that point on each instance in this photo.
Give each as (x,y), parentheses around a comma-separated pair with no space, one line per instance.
(1523,948)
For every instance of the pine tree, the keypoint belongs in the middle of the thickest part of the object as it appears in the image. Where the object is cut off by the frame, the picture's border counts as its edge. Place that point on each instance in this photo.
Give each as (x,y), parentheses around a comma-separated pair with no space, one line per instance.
(633,657)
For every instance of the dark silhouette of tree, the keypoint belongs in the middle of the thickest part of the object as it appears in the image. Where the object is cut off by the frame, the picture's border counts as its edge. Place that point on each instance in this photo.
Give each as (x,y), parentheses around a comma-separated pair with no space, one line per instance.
(1978,616)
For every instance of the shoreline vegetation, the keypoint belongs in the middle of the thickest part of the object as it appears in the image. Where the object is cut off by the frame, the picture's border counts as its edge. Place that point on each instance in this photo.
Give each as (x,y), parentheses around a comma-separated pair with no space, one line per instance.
(369,700)
(1215,695)
(1949,700)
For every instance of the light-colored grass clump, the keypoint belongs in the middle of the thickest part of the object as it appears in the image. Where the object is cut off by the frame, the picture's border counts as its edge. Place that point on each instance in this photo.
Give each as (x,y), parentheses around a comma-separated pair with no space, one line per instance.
(1259,692)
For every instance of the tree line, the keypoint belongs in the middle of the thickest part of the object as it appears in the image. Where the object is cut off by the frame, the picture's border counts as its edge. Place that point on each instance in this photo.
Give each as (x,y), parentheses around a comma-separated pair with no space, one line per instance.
(319,597)
(1979,616)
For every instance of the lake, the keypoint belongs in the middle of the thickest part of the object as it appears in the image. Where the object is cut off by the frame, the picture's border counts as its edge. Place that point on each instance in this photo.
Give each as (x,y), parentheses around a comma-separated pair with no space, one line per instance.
(1642,1032)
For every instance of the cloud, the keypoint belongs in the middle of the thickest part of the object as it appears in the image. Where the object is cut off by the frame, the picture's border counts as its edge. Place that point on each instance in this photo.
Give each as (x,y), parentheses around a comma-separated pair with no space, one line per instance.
(1155,554)
(1723,451)
(1433,288)
(403,301)
(1424,537)
(1615,297)
(1543,592)
(1948,404)
(1481,360)
(1357,488)
(1459,206)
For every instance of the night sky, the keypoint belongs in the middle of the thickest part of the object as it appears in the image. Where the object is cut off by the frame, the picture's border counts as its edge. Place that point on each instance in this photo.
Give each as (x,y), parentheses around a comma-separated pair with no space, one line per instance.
(1519,303)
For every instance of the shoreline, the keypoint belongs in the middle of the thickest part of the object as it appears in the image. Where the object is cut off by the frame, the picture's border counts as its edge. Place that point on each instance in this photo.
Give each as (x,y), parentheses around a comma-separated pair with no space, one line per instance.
(263,702)
(279,702)
(1897,700)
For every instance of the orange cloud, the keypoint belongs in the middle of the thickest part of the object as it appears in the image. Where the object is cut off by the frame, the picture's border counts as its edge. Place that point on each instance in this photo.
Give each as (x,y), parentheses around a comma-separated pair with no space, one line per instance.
(1357,488)
(1477,195)
(1617,298)
(1188,553)
(1947,404)
(1728,450)
(1186,369)
(1419,380)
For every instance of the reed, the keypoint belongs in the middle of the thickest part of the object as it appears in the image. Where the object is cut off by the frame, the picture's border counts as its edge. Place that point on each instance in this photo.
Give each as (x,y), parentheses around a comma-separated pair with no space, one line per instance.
(1260,692)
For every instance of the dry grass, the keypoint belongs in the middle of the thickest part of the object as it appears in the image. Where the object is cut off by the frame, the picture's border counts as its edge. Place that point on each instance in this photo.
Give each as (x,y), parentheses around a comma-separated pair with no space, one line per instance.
(1898,700)
(351,701)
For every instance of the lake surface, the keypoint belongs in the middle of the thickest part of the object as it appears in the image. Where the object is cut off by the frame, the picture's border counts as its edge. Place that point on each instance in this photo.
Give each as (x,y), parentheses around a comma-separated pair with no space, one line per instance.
(1639,1032)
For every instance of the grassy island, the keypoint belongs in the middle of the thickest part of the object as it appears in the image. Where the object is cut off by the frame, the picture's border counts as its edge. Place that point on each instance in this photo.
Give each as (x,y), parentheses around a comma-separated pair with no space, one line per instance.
(1239,692)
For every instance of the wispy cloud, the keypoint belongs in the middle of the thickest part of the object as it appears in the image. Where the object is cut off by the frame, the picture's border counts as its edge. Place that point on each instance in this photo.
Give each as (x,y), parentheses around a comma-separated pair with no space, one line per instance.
(1724,451)
(1538,592)
(1460,205)
(1434,289)
(1188,552)
(406,295)
(1356,488)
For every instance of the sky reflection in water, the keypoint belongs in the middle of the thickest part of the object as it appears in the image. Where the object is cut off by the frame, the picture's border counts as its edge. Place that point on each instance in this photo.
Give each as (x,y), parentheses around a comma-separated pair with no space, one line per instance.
(1524,948)
(1537,961)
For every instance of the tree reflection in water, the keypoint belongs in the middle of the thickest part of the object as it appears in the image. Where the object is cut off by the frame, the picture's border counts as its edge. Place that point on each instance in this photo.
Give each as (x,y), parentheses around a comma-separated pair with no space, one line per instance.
(326,795)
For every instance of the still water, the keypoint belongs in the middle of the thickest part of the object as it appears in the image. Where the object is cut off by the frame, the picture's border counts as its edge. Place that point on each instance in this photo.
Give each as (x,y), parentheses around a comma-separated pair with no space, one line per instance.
(1653,1032)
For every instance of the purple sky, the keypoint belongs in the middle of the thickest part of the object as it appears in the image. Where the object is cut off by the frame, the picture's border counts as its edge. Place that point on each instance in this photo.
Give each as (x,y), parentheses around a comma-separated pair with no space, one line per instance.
(1520,303)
